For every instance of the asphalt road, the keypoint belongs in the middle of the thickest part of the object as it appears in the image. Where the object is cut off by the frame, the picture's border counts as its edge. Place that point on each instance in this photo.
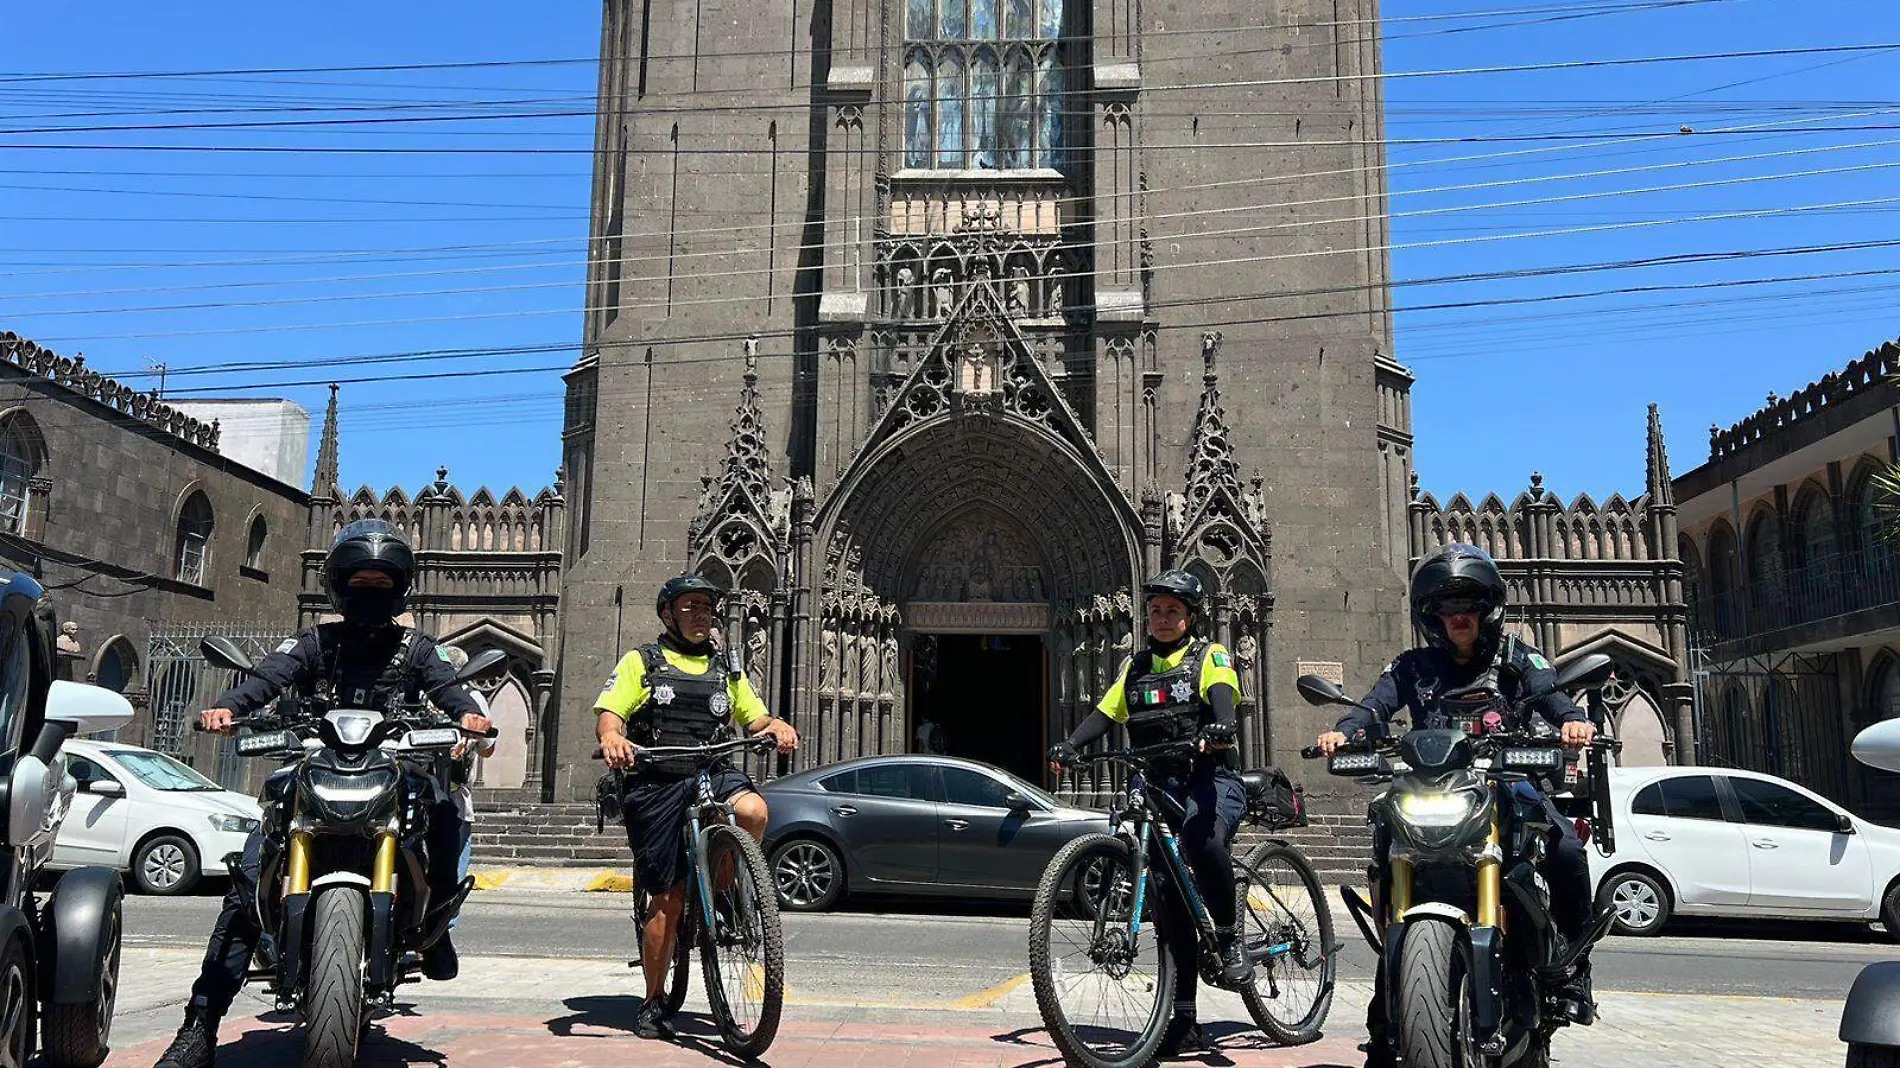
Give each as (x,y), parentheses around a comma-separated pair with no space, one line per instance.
(869,956)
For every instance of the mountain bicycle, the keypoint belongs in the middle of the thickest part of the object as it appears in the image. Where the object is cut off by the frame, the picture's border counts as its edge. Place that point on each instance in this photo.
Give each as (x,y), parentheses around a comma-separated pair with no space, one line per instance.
(1103,977)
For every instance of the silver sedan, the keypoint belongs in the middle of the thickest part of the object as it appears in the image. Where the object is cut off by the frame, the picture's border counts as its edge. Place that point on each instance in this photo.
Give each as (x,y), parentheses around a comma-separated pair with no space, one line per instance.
(923,825)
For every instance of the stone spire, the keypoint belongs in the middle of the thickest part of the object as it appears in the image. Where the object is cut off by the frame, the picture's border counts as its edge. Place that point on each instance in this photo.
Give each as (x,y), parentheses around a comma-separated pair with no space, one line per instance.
(1661,492)
(1211,464)
(747,469)
(328,477)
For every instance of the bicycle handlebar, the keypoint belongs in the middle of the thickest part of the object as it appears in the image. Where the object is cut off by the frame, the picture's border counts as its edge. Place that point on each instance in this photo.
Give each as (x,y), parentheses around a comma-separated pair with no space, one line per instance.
(645,753)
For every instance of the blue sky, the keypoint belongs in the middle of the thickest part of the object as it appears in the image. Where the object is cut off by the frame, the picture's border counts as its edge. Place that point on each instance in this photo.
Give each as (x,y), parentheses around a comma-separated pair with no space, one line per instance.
(89,234)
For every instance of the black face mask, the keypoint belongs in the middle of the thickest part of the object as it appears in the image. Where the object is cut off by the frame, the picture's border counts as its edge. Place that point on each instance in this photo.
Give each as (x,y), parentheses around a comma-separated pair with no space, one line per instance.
(1165,648)
(367,606)
(673,641)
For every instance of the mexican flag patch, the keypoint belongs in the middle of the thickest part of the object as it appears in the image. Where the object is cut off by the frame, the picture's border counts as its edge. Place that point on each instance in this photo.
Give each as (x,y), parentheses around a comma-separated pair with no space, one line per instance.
(1219,658)
(1538,661)
(443,654)
(1153,696)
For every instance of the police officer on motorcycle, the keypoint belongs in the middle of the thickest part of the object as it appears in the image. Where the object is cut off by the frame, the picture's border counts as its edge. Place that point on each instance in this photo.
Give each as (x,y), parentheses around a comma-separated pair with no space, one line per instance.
(365,661)
(1183,687)
(678,691)
(1457,599)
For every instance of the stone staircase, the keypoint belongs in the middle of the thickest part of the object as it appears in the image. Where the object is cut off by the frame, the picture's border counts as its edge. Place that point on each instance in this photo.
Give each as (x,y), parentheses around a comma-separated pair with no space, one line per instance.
(534,835)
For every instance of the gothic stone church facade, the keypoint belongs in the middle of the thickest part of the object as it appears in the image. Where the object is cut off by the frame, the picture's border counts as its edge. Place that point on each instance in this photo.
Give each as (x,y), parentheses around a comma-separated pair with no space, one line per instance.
(932,326)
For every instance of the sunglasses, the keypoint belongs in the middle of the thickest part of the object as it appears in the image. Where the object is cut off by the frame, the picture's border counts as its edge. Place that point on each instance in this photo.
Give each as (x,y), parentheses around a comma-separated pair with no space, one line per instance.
(1456,606)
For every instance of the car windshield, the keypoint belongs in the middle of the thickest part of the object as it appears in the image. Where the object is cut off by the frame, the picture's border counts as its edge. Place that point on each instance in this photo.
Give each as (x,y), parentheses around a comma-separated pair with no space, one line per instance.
(161,772)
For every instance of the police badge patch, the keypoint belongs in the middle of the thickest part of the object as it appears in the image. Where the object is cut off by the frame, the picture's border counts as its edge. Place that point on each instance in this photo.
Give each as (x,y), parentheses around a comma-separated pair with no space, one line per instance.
(720,703)
(288,645)
(1181,690)
(663,695)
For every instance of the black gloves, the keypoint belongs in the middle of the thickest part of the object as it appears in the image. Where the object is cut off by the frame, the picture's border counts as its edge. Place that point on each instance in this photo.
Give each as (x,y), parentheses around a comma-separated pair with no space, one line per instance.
(1213,734)
(1064,754)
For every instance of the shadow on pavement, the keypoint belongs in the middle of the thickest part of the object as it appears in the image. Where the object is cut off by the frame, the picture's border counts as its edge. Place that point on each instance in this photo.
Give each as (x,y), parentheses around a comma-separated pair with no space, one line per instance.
(691,1030)
(282,1043)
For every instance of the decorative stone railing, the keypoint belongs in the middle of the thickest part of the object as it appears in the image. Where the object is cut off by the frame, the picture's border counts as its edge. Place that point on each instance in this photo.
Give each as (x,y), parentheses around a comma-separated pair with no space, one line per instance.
(1878,367)
(72,373)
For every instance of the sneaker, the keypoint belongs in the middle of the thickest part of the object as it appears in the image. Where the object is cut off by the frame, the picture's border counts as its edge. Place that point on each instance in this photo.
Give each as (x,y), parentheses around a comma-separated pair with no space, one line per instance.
(650,1021)
(1184,1036)
(196,1045)
(1236,968)
(439,961)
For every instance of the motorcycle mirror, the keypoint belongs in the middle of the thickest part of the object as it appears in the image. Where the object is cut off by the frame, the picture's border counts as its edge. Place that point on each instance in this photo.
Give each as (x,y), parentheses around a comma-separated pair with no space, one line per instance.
(1320,691)
(1879,745)
(1585,672)
(224,653)
(86,708)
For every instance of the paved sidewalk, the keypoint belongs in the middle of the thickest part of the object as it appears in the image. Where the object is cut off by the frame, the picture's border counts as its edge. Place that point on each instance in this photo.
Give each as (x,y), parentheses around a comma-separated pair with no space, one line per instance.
(534,1012)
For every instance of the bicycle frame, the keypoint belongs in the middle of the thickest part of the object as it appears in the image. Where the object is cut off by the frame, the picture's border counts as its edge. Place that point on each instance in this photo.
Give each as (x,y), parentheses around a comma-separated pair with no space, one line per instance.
(697,866)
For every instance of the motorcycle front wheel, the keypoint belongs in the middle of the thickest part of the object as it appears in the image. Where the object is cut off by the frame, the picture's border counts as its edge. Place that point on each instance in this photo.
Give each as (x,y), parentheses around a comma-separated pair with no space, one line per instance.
(333,994)
(1435,998)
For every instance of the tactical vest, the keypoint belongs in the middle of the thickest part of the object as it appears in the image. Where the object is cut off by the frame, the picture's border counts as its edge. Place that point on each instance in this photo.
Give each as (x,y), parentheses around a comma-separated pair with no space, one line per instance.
(1499,675)
(1164,704)
(681,708)
(390,686)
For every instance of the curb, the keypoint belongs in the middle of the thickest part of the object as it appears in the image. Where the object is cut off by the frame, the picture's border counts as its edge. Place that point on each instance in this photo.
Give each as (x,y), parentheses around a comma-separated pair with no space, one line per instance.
(568,880)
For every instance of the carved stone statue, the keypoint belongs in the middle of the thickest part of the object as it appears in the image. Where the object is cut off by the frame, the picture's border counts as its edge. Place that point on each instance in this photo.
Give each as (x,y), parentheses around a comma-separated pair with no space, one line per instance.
(1246,654)
(1019,289)
(979,370)
(1053,293)
(902,292)
(828,661)
(867,664)
(890,680)
(940,288)
(757,650)
(68,641)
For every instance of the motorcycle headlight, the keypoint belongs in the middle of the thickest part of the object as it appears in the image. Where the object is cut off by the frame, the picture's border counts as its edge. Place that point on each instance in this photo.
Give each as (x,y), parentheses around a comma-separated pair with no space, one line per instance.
(1436,809)
(347,789)
(232,823)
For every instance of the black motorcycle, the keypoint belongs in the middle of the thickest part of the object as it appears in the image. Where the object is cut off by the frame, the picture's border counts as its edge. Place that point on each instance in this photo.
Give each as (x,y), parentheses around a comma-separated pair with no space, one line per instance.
(1472,960)
(341,894)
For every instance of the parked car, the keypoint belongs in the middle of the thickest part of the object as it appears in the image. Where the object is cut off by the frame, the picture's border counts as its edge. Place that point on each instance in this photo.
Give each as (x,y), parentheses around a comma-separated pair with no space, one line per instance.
(1699,841)
(151,816)
(925,825)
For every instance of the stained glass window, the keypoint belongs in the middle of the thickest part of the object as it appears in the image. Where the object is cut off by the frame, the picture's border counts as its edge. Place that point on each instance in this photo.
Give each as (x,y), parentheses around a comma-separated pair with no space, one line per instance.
(983,84)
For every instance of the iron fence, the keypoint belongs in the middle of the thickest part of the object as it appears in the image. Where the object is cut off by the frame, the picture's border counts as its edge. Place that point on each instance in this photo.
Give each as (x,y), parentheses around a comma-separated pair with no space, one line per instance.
(1830,586)
(1781,716)
(181,682)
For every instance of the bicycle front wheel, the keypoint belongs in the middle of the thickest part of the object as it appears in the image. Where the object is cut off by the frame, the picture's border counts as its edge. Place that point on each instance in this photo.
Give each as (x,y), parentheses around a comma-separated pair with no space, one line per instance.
(1104,991)
(1287,929)
(742,949)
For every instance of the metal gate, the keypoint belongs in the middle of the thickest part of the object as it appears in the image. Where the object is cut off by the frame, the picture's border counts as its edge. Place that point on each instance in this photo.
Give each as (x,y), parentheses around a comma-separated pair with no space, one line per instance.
(1777,715)
(181,684)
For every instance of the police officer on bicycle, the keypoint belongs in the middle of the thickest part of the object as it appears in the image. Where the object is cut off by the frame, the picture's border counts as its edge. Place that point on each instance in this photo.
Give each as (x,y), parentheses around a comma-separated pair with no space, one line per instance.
(1458,600)
(367,661)
(1183,687)
(677,691)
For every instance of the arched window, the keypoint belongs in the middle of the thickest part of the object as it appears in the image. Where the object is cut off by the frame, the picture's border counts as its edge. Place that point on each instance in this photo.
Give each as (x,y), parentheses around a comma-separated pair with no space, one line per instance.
(195,522)
(254,545)
(983,84)
(21,456)
(1763,561)
(1874,511)
(1723,616)
(1886,691)
(1814,527)
(118,666)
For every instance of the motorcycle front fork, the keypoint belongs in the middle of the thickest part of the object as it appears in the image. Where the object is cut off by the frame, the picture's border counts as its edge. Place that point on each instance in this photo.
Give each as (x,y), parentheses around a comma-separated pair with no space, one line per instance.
(1484,936)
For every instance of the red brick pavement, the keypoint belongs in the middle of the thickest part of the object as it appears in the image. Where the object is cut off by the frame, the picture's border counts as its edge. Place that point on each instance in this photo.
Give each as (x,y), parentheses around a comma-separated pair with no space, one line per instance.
(599,1036)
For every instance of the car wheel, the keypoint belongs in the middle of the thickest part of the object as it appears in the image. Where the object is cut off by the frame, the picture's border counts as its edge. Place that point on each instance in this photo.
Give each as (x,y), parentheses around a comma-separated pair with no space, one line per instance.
(809,875)
(1639,902)
(1890,912)
(165,865)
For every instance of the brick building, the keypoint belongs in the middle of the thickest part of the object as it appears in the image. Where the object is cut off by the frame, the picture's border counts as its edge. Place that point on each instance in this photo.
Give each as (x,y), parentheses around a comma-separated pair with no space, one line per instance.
(1012,355)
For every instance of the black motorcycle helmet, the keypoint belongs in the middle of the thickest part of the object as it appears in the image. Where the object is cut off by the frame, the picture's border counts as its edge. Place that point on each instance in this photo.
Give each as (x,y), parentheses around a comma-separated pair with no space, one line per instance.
(680,585)
(1180,585)
(1455,577)
(368,545)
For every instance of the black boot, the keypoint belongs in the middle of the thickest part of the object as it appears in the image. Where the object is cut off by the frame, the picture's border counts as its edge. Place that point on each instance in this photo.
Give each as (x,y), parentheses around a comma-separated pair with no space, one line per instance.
(1236,968)
(1580,1004)
(1184,1036)
(439,961)
(650,1021)
(197,1043)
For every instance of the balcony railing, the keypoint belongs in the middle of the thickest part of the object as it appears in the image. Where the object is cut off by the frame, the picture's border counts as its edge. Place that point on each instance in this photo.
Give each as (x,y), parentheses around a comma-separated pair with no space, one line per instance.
(1831,586)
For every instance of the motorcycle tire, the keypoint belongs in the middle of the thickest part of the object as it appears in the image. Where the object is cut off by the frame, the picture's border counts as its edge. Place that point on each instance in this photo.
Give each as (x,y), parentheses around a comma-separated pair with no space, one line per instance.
(1859,1056)
(333,991)
(1435,998)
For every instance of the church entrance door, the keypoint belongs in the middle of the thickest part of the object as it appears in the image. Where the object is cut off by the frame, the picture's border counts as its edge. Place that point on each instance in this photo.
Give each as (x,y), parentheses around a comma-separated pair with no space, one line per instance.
(982,697)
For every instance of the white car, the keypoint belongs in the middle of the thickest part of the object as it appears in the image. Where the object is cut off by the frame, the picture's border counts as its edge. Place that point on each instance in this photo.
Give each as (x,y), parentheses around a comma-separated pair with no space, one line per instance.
(150,816)
(1698,841)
